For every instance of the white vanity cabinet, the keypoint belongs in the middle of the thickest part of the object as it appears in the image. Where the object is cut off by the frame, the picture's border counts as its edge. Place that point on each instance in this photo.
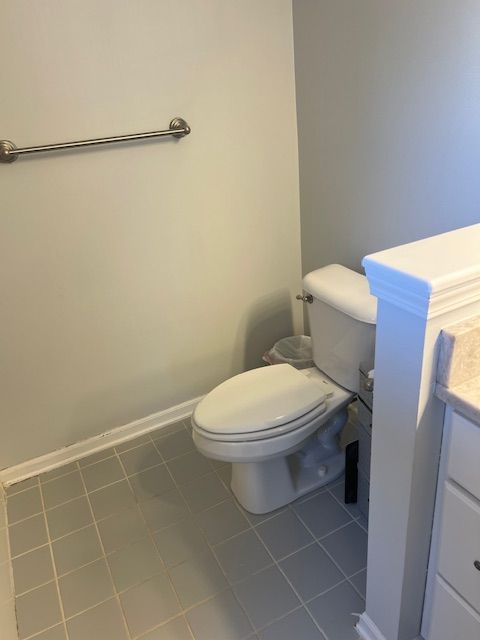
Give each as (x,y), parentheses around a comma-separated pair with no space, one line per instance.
(452,604)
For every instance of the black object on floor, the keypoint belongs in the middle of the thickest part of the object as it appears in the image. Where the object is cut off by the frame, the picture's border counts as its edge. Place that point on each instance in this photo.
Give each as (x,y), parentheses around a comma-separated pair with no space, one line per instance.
(351,472)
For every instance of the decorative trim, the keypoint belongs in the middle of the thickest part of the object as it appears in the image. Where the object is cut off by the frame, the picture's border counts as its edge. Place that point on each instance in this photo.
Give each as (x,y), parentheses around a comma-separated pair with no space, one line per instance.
(367,629)
(429,277)
(49,461)
(416,297)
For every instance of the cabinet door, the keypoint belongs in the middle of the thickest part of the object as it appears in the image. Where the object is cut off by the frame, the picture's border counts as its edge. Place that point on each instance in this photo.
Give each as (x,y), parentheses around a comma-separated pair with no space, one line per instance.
(463,456)
(460,544)
(452,619)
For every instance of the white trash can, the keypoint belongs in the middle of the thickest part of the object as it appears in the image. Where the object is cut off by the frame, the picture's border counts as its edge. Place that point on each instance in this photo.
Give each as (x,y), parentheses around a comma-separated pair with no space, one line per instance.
(294,350)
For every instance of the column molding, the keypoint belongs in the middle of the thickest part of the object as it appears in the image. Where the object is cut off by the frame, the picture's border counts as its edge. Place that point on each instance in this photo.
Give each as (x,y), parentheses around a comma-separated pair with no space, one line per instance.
(421,287)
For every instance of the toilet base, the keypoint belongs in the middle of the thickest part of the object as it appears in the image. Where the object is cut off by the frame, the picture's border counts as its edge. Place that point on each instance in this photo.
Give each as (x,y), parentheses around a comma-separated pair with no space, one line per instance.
(261,487)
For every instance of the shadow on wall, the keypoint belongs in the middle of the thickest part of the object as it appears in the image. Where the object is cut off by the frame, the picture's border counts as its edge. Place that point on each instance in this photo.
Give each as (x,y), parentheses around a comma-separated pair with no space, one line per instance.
(267,320)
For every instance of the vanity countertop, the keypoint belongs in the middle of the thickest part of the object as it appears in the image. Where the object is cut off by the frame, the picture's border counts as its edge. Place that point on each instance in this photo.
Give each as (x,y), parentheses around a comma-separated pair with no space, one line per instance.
(458,373)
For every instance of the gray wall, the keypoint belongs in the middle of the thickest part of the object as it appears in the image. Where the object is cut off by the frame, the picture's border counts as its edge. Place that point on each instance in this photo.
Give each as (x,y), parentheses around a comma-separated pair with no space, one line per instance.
(137,277)
(388,104)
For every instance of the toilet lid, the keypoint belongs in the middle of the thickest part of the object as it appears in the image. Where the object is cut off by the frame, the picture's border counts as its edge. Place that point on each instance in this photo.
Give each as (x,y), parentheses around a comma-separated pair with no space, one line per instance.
(258,399)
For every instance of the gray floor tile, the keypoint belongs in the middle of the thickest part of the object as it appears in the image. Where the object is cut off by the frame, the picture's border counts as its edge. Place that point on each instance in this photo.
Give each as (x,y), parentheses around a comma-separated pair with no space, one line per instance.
(284,534)
(32,569)
(21,486)
(140,458)
(339,492)
(37,610)
(359,581)
(104,622)
(62,489)
(167,429)
(311,572)
(225,475)
(121,529)
(85,587)
(197,579)
(297,625)
(257,518)
(102,473)
(242,555)
(55,633)
(149,604)
(27,535)
(76,549)
(69,517)
(348,547)
(164,510)
(112,499)
(322,514)
(266,596)
(132,444)
(219,618)
(222,521)
(189,467)
(333,612)
(180,542)
(152,482)
(363,522)
(135,563)
(204,492)
(176,629)
(175,444)
(58,472)
(96,457)
(217,464)
(23,505)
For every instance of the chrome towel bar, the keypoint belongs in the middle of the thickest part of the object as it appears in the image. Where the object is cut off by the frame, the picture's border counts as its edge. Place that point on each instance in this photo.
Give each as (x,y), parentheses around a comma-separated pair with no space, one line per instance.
(178,128)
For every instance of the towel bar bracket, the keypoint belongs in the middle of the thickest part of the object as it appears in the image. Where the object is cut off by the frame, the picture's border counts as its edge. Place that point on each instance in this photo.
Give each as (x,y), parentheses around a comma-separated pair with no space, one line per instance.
(6,149)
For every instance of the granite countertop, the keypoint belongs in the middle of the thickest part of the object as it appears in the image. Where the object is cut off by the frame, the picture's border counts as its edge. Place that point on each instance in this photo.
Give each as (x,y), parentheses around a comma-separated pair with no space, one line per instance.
(458,373)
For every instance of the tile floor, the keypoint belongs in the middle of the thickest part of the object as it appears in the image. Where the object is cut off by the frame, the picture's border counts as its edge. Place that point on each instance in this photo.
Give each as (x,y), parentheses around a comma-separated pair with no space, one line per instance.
(145,541)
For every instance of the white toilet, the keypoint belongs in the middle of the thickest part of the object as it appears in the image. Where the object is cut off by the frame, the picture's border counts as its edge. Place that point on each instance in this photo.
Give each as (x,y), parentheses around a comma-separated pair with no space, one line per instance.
(279,426)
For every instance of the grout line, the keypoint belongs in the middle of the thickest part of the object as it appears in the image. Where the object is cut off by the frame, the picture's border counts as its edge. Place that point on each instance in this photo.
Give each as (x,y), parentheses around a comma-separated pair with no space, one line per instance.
(54,567)
(77,462)
(116,596)
(319,542)
(249,526)
(229,586)
(151,537)
(363,596)
(12,597)
(279,568)
(342,526)
(315,540)
(344,506)
(167,569)
(60,475)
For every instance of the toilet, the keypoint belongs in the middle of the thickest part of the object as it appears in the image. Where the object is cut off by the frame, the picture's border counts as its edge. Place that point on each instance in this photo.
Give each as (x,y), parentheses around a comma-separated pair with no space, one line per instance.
(279,426)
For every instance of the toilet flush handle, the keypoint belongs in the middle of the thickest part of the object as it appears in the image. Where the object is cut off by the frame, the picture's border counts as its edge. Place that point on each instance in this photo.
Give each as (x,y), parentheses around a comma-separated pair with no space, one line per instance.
(305,298)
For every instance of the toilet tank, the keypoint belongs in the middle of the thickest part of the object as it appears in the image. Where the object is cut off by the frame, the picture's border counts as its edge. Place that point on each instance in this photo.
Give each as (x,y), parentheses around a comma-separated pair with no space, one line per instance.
(342,322)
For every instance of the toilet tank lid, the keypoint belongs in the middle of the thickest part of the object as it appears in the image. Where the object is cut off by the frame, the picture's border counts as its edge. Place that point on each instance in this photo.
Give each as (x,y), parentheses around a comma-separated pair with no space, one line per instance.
(344,290)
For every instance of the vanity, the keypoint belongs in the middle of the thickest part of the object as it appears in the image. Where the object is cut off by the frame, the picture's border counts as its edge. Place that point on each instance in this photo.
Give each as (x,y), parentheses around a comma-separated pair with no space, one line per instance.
(423,577)
(452,603)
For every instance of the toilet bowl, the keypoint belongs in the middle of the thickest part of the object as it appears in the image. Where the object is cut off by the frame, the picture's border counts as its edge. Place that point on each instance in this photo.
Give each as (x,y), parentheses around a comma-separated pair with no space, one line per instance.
(279,426)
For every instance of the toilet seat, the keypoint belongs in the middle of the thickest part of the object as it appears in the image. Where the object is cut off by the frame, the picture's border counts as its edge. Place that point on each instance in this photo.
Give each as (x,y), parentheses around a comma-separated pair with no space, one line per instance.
(259,403)
(263,434)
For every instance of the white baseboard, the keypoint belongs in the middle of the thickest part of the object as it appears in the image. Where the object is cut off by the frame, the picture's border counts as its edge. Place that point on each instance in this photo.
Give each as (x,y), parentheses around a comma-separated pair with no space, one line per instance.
(49,461)
(367,629)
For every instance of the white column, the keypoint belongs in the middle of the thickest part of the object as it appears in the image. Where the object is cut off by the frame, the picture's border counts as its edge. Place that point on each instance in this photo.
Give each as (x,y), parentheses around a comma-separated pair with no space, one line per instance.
(421,287)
